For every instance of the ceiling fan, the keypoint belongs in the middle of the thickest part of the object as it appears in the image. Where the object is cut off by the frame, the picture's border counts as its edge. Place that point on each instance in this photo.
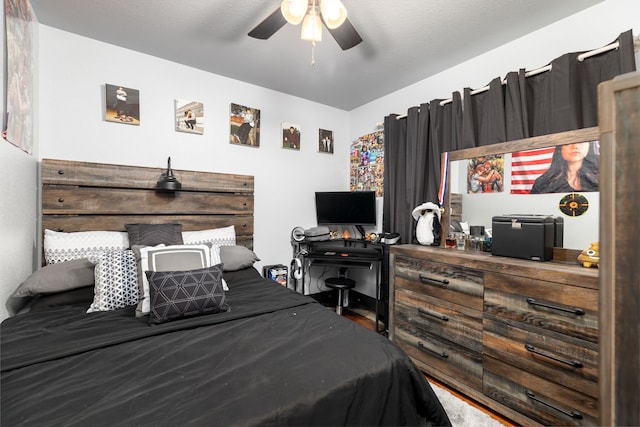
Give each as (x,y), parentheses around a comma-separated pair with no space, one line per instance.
(334,18)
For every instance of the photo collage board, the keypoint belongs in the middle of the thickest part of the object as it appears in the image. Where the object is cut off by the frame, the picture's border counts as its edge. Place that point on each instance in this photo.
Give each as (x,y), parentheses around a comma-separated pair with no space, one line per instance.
(367,163)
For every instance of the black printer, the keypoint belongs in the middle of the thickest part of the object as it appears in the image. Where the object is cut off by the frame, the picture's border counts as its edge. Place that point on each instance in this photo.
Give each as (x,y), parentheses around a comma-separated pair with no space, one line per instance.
(526,236)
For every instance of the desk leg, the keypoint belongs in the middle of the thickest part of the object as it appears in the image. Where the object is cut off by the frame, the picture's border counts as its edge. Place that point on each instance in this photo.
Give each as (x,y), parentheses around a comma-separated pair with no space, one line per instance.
(378,267)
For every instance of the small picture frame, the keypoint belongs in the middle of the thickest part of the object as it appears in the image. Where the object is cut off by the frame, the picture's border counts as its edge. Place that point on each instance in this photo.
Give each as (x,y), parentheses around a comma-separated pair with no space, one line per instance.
(485,174)
(244,125)
(122,104)
(325,141)
(290,136)
(189,116)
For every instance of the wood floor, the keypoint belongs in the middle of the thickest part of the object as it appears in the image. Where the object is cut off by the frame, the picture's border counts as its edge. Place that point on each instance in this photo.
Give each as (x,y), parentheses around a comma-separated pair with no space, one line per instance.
(367,319)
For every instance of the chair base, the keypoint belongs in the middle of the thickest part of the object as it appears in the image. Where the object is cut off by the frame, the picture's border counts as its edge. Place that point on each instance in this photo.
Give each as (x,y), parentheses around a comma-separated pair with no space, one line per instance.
(342,284)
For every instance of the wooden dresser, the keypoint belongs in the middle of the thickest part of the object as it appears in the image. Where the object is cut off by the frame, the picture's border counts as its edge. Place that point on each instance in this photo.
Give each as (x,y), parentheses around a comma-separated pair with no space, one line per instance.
(520,337)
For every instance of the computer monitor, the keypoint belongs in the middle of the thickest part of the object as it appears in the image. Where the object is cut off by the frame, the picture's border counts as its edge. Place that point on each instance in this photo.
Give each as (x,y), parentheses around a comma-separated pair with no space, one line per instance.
(357,208)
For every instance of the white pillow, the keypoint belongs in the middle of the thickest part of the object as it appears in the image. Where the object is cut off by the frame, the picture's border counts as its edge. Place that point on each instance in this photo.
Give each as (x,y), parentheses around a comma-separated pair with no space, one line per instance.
(168,258)
(225,236)
(116,280)
(60,246)
(216,259)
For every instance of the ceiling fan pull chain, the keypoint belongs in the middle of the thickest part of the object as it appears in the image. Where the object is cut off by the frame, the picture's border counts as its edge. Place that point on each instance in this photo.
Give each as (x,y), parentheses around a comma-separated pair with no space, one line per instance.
(313,53)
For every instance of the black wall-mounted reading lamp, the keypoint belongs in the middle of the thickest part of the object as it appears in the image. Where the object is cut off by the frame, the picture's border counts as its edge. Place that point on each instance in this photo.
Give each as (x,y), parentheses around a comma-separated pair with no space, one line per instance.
(167,181)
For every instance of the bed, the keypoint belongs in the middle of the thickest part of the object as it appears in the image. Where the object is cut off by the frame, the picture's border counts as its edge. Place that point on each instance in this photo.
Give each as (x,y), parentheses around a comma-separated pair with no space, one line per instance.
(265,355)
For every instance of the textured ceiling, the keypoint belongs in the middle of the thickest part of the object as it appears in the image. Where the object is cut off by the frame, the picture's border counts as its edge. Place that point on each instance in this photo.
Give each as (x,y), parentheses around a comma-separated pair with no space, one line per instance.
(405,41)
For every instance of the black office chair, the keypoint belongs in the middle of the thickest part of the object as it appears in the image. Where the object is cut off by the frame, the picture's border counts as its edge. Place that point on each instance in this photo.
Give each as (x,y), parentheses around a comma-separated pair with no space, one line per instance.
(342,284)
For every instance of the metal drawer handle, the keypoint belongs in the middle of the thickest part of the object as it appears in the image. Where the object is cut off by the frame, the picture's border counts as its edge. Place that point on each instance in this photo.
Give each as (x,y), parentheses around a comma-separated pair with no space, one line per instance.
(433,314)
(443,354)
(574,363)
(576,311)
(573,413)
(439,282)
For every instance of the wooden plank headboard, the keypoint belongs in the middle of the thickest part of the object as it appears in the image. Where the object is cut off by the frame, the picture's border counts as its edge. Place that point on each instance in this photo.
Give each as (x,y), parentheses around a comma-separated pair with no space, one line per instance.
(81,196)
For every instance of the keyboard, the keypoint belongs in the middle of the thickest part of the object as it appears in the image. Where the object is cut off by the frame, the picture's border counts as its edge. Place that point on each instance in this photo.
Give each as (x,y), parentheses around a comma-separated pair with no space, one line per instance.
(343,251)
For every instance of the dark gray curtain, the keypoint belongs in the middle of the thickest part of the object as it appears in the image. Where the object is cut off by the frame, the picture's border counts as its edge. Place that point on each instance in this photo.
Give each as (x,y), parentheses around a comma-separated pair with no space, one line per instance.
(393,211)
(564,98)
(446,135)
(586,75)
(538,96)
(407,142)
(516,116)
(484,117)
(416,154)
(413,148)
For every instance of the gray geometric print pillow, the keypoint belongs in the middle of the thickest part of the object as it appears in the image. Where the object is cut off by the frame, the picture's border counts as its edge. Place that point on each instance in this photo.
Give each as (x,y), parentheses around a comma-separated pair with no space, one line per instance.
(179,294)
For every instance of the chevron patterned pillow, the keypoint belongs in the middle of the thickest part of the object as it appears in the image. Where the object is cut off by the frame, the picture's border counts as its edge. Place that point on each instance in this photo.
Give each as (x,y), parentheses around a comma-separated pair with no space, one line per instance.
(154,234)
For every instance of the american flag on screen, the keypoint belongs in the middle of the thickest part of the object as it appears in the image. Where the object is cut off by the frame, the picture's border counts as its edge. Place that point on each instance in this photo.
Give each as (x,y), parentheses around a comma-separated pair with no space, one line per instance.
(526,166)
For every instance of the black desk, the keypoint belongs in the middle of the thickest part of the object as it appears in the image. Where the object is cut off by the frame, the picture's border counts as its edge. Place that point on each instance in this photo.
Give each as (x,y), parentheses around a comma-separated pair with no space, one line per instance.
(345,253)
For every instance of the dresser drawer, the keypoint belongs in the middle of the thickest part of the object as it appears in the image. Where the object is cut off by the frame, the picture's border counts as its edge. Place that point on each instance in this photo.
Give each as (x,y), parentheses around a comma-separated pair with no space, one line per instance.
(542,400)
(436,356)
(424,315)
(567,361)
(459,285)
(536,305)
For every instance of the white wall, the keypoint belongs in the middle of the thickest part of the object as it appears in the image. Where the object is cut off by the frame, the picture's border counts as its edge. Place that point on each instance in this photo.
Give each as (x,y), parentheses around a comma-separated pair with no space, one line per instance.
(18,219)
(74,71)
(18,209)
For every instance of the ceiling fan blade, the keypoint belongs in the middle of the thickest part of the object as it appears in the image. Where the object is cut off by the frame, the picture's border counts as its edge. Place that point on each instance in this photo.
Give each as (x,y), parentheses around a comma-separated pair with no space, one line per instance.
(268,26)
(346,35)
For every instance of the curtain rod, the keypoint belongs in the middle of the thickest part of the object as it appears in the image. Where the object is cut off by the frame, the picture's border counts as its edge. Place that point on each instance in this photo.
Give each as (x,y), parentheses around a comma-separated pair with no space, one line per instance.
(486,88)
(581,58)
(595,52)
(607,48)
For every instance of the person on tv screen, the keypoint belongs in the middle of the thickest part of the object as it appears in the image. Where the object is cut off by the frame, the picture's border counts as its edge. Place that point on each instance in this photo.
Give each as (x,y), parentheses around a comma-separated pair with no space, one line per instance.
(574,167)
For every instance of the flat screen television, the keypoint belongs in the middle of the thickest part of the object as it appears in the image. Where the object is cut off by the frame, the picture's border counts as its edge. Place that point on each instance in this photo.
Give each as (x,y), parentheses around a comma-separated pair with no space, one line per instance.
(355,208)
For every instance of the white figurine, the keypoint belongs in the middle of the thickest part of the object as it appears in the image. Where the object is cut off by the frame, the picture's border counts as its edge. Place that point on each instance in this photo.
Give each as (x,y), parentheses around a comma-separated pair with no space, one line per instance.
(427,215)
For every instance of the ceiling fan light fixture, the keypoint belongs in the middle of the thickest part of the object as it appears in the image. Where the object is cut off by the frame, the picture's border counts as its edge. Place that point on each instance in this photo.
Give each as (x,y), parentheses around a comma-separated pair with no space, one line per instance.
(294,10)
(333,13)
(312,26)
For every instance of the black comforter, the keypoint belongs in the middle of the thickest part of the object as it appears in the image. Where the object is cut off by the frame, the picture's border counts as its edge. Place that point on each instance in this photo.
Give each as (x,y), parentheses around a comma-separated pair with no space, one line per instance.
(276,358)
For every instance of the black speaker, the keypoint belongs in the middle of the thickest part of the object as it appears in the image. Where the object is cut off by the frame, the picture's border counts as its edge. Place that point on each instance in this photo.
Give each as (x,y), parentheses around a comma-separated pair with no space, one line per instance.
(558,234)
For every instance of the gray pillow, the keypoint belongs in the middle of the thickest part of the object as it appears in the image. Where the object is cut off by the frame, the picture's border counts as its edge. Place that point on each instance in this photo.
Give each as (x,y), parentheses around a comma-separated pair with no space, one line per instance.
(154,234)
(53,278)
(58,277)
(237,257)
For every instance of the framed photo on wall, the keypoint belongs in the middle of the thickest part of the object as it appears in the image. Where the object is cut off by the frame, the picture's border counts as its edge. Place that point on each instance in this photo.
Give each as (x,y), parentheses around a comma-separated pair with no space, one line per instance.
(244,125)
(189,116)
(290,136)
(123,104)
(485,174)
(560,169)
(325,141)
